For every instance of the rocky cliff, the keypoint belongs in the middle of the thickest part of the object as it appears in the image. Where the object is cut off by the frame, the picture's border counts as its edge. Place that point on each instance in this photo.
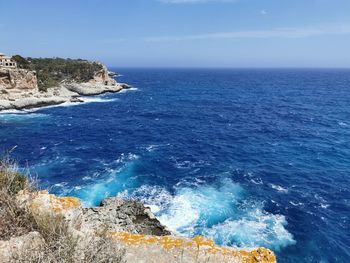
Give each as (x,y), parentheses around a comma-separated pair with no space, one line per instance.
(18,81)
(19,88)
(128,225)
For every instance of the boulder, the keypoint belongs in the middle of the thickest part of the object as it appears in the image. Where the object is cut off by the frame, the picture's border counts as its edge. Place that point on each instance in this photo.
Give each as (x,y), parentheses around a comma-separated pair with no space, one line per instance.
(123,216)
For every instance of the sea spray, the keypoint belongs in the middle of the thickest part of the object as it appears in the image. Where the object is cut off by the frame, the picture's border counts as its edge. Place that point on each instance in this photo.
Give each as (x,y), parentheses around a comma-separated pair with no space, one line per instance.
(222,211)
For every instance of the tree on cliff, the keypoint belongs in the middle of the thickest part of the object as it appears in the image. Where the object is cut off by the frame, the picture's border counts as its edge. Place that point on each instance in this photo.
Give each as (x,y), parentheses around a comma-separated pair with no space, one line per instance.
(21,61)
(51,71)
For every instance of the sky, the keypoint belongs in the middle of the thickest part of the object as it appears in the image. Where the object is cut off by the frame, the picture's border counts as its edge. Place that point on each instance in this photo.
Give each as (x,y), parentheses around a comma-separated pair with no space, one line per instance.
(181,33)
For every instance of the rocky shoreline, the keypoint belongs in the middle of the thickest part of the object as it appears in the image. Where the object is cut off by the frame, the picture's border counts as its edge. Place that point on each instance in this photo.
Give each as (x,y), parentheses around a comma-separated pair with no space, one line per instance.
(71,93)
(128,225)
(19,89)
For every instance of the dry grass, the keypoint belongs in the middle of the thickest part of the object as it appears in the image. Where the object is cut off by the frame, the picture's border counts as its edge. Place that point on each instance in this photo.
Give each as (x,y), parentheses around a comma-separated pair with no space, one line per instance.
(14,221)
(11,181)
(60,245)
(102,250)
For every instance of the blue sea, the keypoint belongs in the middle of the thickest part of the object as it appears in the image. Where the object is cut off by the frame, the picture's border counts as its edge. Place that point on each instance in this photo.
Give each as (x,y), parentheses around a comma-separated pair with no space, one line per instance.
(246,157)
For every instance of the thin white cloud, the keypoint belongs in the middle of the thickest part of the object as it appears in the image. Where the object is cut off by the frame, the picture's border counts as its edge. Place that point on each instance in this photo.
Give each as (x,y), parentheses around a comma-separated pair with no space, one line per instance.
(302,32)
(263,12)
(194,1)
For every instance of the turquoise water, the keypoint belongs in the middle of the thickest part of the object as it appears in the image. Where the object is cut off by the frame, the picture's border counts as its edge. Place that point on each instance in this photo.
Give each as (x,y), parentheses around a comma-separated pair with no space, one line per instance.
(246,157)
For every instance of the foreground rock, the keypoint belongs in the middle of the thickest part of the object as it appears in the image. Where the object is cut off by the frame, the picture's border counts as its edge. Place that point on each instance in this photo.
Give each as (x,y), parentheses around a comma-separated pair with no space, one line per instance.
(116,214)
(19,89)
(130,225)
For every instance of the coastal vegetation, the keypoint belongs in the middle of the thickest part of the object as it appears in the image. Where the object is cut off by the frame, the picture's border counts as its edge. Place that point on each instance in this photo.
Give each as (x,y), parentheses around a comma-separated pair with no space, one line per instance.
(52,71)
(57,243)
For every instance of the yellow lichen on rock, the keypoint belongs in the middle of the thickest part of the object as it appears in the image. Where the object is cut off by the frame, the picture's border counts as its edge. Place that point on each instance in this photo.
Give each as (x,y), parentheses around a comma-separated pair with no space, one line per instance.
(64,203)
(42,203)
(157,249)
(43,200)
(196,245)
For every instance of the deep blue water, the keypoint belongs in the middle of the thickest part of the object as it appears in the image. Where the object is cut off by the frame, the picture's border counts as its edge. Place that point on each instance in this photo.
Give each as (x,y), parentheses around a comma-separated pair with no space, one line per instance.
(247,157)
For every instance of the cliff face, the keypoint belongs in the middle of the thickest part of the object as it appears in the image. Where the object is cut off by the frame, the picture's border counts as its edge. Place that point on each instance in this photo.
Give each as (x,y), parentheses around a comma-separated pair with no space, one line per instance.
(23,80)
(17,81)
(19,87)
(103,77)
(130,225)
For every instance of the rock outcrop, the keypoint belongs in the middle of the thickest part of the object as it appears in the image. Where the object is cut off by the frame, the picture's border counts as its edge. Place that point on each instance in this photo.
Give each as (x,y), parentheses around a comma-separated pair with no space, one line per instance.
(130,225)
(19,89)
(18,81)
(116,214)
(103,76)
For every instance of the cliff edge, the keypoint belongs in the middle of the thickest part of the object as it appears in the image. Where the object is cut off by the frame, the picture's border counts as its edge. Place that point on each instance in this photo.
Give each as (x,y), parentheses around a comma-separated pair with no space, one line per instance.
(36,226)
(43,82)
(128,225)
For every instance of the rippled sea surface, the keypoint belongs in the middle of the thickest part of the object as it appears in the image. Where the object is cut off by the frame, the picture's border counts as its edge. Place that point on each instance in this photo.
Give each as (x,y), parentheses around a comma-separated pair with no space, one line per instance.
(246,157)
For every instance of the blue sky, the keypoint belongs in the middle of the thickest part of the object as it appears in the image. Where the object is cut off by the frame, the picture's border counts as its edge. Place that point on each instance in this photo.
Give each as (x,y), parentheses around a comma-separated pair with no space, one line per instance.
(181,33)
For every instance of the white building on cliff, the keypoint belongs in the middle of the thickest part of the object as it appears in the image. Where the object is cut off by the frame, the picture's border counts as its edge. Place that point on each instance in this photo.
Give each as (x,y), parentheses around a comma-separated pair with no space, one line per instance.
(7,62)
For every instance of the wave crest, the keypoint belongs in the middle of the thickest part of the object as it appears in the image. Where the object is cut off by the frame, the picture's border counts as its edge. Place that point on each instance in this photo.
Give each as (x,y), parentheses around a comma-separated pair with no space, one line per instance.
(221,211)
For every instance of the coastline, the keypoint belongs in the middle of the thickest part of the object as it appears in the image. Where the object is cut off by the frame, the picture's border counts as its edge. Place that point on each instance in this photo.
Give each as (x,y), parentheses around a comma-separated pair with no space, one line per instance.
(126,224)
(66,93)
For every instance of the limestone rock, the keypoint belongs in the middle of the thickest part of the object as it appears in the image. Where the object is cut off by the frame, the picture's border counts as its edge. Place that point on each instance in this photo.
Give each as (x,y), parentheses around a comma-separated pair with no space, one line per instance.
(103,77)
(19,89)
(94,88)
(132,226)
(123,216)
(17,80)
(42,203)
(178,249)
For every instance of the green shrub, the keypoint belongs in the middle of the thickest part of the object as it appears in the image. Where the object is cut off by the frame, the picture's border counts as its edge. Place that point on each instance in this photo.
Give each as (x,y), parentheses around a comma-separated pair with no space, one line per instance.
(11,181)
(15,182)
(51,71)
(59,245)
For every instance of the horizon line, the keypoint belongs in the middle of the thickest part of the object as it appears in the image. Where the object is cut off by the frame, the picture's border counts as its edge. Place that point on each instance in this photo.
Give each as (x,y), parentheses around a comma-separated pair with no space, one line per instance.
(224,67)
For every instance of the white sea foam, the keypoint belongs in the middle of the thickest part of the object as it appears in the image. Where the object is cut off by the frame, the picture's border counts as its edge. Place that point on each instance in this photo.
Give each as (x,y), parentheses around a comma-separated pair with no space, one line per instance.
(219,212)
(180,164)
(190,206)
(117,177)
(96,99)
(151,148)
(257,180)
(85,99)
(324,206)
(13,112)
(86,178)
(130,89)
(20,116)
(295,204)
(154,147)
(279,188)
(155,197)
(127,157)
(256,228)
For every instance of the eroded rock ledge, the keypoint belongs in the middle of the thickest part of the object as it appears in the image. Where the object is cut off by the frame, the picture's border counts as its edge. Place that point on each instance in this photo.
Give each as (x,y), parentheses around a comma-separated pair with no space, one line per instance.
(19,89)
(128,224)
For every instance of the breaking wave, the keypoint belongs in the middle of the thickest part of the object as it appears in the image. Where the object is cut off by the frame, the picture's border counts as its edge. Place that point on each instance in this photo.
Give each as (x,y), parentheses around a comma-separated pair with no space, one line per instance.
(116,178)
(220,211)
